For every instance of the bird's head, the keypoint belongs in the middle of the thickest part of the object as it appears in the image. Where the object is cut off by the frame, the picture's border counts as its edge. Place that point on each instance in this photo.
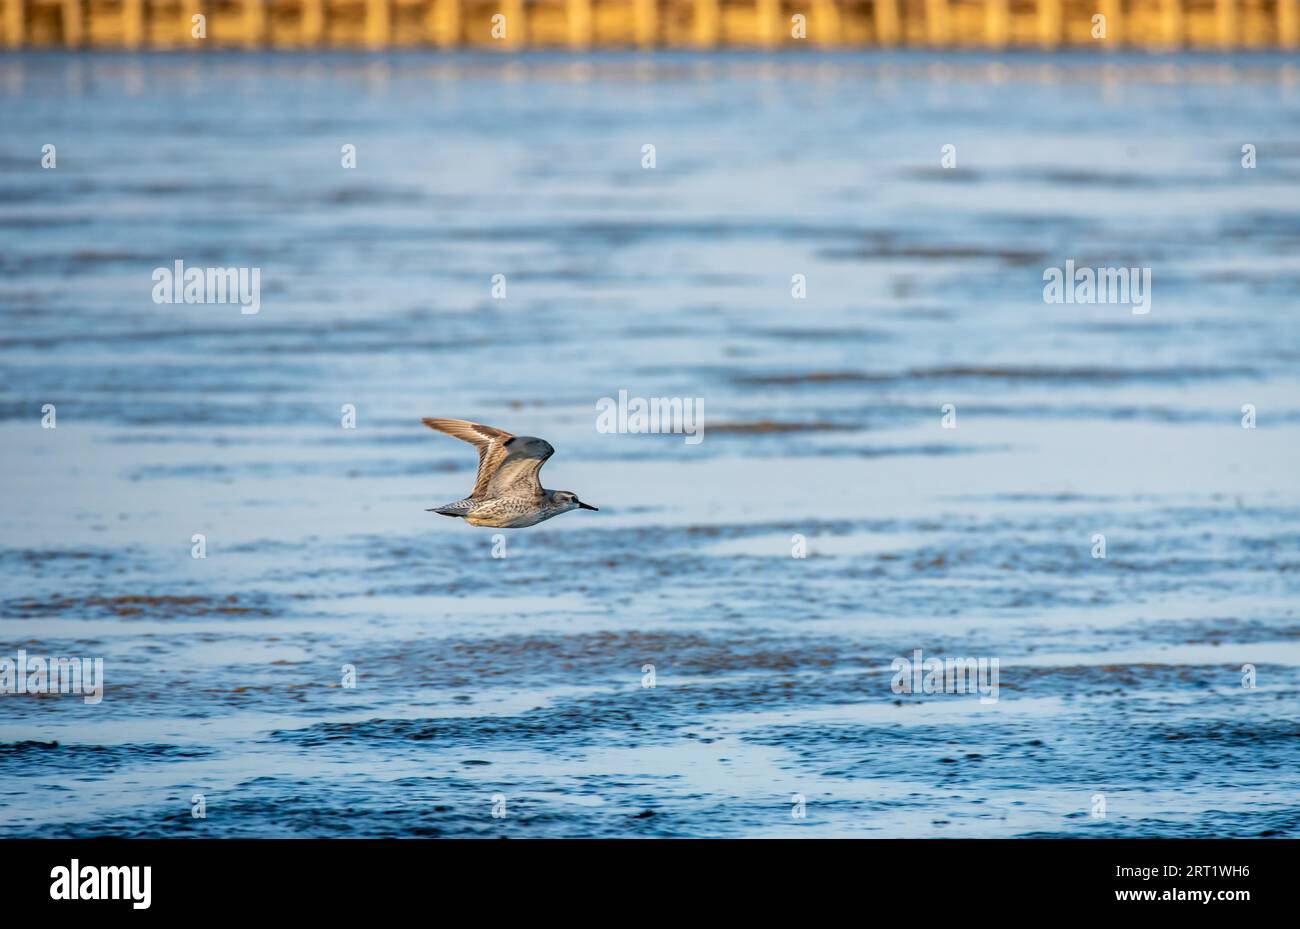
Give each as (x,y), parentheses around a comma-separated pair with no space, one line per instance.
(567,500)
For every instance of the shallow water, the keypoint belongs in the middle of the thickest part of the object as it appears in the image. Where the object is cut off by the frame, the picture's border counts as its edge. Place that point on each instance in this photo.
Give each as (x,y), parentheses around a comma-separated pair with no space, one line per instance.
(521,677)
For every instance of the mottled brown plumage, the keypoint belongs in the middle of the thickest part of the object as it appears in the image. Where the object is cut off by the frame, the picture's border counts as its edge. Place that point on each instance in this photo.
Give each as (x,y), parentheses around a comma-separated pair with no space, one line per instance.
(507,493)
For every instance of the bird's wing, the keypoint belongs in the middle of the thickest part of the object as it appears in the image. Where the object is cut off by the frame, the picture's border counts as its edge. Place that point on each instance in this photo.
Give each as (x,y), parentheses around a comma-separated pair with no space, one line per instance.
(518,472)
(491,445)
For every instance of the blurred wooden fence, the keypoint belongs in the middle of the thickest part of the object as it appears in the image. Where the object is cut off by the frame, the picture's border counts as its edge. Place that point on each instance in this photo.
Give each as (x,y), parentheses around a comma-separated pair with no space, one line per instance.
(578,24)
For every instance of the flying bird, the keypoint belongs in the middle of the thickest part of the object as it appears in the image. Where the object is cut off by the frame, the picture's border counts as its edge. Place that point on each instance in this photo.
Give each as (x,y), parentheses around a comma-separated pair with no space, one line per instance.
(507,493)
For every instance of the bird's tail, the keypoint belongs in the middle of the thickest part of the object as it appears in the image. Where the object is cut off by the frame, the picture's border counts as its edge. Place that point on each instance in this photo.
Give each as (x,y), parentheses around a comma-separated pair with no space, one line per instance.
(459,508)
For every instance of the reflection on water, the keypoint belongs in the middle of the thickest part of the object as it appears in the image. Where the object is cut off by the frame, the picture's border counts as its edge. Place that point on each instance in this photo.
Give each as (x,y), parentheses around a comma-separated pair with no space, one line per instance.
(523,676)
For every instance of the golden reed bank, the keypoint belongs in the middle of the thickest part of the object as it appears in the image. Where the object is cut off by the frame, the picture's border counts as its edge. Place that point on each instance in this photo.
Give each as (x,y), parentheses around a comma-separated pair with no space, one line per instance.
(578,24)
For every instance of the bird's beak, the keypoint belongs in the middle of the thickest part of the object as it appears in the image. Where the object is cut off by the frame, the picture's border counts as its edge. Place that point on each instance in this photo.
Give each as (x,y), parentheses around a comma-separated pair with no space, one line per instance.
(587,506)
